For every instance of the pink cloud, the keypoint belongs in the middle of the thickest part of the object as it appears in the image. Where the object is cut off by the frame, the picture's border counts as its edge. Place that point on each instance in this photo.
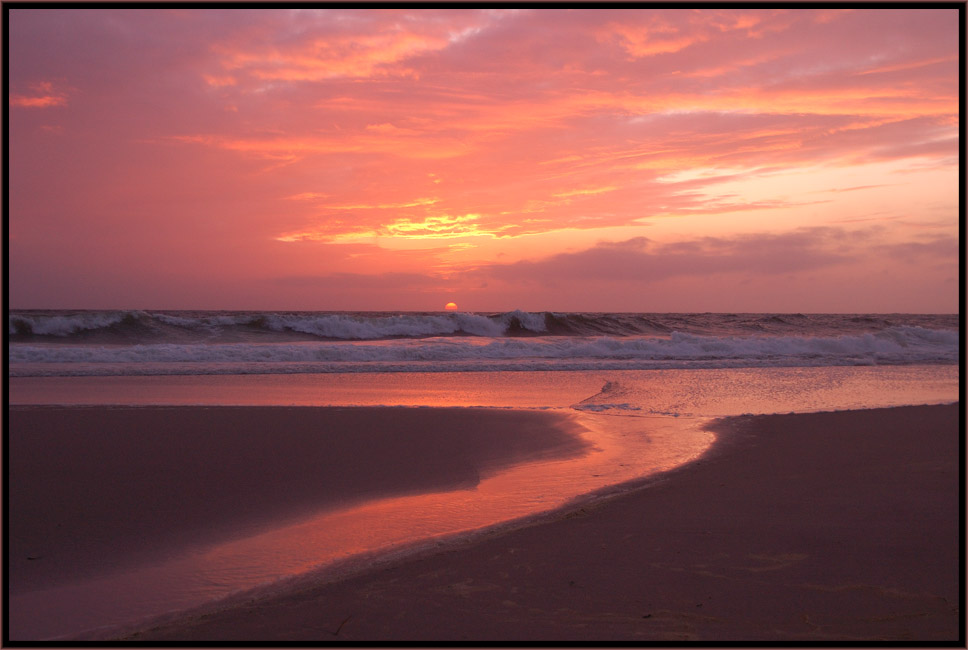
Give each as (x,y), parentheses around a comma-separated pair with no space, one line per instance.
(642,262)
(642,274)
(187,135)
(42,94)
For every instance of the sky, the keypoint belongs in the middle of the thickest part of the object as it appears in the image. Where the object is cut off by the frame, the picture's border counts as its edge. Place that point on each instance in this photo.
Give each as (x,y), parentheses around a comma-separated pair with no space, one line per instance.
(624,160)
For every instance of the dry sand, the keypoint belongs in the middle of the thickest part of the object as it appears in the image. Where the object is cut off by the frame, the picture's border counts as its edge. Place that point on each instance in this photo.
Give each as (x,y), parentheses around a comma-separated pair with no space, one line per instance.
(815,527)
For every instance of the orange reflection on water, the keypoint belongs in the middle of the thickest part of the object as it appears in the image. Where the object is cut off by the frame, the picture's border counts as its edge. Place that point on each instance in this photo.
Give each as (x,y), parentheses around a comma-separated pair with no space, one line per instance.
(620,448)
(626,440)
(624,448)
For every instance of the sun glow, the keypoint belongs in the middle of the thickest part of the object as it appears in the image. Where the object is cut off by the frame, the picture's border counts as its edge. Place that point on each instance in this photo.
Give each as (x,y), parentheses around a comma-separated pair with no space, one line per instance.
(451,306)
(385,158)
(431,227)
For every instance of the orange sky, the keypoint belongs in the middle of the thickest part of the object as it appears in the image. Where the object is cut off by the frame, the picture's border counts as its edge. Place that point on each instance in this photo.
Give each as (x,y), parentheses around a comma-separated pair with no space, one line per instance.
(571,160)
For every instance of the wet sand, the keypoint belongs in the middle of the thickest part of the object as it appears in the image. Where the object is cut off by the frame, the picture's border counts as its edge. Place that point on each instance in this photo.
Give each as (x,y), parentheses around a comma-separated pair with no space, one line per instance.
(818,527)
(95,490)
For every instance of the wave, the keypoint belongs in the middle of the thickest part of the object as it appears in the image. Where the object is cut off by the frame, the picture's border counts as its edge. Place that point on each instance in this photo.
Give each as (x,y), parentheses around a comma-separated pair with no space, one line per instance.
(63,325)
(134,326)
(227,326)
(893,346)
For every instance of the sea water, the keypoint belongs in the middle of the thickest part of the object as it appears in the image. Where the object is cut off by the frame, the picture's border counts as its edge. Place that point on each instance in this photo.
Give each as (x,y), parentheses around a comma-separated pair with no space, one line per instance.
(642,385)
(124,343)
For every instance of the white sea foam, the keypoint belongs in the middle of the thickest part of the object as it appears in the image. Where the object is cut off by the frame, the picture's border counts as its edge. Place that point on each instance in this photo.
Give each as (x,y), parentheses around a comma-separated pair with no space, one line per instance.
(258,326)
(892,346)
(339,326)
(607,407)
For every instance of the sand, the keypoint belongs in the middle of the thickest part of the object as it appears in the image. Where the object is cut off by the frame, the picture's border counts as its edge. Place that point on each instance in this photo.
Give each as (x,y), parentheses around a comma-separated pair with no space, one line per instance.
(813,527)
(94,490)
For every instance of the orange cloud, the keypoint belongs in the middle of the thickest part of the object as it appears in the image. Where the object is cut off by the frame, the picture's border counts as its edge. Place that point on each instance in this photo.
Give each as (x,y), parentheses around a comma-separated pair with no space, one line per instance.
(587,192)
(650,37)
(909,65)
(307,196)
(429,228)
(291,148)
(383,131)
(43,95)
(334,56)
(387,206)
(219,80)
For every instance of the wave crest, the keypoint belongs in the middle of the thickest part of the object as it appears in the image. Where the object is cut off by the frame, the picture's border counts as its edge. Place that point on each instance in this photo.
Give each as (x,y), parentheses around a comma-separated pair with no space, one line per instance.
(893,346)
(226,327)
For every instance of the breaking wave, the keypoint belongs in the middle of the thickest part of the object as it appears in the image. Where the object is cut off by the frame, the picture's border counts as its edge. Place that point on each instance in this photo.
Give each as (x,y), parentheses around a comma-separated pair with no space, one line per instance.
(227,326)
(134,326)
(897,345)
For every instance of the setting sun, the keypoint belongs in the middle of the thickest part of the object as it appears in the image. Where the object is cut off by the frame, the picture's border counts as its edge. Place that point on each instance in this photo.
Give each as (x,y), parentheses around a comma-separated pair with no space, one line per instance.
(229,230)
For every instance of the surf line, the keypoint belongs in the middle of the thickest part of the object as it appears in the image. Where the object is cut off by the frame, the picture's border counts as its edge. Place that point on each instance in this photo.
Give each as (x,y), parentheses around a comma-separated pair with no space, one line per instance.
(609,391)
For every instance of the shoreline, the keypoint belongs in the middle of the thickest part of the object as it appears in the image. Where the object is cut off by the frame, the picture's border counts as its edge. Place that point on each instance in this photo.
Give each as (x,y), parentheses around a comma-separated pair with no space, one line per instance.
(214,469)
(791,527)
(107,493)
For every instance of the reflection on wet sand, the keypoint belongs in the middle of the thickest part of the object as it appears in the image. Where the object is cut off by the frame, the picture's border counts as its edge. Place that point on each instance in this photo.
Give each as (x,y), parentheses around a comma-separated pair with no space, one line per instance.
(286,490)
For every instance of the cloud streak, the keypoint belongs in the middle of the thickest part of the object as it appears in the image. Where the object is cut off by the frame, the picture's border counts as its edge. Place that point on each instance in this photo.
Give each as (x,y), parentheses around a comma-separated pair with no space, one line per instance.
(479,133)
(640,272)
(640,261)
(42,94)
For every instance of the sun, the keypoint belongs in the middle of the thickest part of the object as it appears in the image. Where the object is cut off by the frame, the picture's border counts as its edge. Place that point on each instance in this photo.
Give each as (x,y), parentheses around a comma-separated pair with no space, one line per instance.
(451,306)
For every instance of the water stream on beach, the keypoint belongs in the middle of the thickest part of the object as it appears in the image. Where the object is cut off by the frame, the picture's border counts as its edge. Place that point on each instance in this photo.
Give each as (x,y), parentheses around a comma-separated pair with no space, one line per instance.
(638,422)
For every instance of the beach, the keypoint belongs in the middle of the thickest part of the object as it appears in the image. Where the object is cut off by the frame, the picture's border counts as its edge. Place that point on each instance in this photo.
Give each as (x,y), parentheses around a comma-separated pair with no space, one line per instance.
(98,493)
(141,502)
(818,527)
(581,326)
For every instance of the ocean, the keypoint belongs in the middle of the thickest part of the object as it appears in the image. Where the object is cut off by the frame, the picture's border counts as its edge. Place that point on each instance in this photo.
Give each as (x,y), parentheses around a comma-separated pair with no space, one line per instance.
(134,342)
(638,389)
